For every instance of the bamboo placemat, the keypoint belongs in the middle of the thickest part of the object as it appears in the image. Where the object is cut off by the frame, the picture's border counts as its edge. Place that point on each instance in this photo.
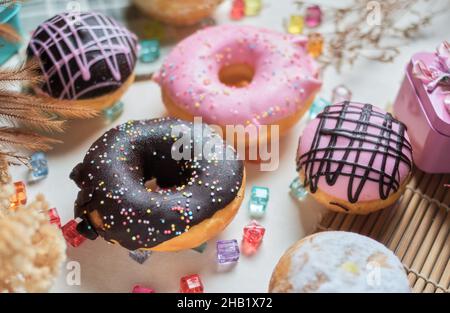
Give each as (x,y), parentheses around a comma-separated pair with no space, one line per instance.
(416,228)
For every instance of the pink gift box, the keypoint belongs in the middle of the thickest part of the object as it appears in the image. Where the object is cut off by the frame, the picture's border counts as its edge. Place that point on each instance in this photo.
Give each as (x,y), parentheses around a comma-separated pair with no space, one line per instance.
(426,116)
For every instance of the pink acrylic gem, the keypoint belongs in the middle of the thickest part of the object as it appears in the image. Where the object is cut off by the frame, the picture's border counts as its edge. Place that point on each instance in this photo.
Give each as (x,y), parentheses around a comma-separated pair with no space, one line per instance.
(191,284)
(237,10)
(72,236)
(141,289)
(253,236)
(313,17)
(54,217)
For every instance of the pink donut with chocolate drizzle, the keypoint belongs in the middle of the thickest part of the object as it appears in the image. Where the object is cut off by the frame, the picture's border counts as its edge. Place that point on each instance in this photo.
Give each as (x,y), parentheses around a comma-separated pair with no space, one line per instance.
(239,75)
(355,158)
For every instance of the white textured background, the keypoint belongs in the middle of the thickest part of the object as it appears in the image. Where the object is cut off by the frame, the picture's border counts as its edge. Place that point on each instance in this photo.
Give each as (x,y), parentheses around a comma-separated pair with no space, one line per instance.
(107,268)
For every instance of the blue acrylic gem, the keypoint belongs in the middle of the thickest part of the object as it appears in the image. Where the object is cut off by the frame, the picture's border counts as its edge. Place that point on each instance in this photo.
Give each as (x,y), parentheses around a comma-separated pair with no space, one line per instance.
(201,248)
(318,105)
(258,201)
(140,256)
(298,191)
(149,50)
(113,112)
(39,166)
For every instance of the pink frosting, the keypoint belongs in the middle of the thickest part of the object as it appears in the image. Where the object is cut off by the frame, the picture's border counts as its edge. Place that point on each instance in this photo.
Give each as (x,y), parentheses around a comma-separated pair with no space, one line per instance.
(392,156)
(285,75)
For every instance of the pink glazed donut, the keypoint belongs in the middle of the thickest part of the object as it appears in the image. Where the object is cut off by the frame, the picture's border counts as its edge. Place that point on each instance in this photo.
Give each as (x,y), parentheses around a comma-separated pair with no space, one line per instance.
(355,158)
(239,75)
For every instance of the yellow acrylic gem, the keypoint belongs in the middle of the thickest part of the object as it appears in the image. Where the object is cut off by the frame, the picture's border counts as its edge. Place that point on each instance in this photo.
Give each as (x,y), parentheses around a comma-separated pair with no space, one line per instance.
(295,26)
(253,7)
(315,44)
(351,267)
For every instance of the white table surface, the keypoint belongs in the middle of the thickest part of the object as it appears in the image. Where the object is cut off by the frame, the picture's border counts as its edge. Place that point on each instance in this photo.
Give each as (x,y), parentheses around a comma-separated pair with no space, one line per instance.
(107,268)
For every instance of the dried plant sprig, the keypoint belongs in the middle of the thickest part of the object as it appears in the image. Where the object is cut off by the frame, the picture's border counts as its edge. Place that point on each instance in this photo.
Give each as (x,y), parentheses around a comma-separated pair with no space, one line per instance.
(11,137)
(5,178)
(8,33)
(24,116)
(354,37)
(29,72)
(17,102)
(32,119)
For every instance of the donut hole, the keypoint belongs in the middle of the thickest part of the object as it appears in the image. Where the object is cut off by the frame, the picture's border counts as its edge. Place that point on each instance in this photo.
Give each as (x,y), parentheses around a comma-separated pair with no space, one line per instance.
(166,174)
(236,75)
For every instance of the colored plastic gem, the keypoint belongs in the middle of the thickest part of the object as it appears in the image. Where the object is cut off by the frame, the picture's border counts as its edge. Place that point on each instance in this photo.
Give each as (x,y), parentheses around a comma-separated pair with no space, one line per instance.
(227,251)
(298,191)
(113,112)
(54,217)
(72,236)
(253,236)
(149,51)
(341,93)
(20,195)
(318,106)
(201,248)
(191,284)
(140,256)
(351,267)
(254,233)
(315,45)
(313,16)
(39,166)
(258,201)
(295,25)
(253,7)
(141,289)
(237,10)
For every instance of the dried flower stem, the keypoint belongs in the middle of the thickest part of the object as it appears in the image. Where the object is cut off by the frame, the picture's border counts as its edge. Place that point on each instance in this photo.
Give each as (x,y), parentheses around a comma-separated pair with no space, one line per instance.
(355,36)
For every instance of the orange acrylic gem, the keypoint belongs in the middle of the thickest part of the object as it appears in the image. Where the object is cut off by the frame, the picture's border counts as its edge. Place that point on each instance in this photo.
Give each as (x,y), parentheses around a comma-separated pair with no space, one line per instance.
(20,196)
(315,44)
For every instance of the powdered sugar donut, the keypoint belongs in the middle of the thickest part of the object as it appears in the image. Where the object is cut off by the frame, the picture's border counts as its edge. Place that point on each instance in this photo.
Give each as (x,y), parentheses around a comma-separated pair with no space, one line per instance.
(337,261)
(355,158)
(239,75)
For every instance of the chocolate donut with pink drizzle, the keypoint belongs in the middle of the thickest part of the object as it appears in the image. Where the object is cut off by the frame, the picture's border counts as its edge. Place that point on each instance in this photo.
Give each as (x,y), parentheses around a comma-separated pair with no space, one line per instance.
(83,55)
(355,158)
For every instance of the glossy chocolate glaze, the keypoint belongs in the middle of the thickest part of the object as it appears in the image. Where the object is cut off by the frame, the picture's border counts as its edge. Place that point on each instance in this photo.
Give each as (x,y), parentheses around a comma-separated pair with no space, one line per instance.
(83,56)
(113,177)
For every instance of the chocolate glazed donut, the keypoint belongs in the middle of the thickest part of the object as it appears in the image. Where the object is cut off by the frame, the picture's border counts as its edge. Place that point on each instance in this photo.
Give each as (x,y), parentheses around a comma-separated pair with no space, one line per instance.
(83,56)
(116,203)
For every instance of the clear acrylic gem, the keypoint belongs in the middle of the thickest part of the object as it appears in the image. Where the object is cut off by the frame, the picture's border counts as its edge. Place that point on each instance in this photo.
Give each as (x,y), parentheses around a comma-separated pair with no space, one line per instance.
(140,256)
(39,166)
(113,112)
(298,191)
(318,106)
(149,51)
